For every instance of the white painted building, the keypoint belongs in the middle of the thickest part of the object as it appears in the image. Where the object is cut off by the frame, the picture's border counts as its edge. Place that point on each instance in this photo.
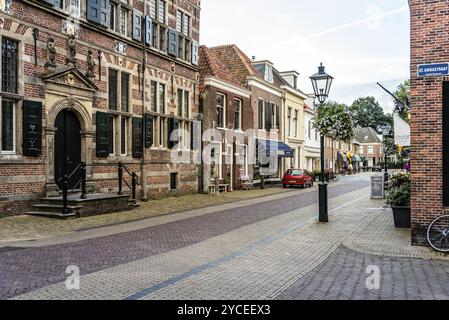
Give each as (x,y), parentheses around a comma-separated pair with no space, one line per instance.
(312,139)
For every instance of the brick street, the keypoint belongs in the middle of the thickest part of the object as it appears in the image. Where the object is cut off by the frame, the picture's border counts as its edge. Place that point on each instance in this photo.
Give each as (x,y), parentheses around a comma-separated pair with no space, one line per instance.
(261,250)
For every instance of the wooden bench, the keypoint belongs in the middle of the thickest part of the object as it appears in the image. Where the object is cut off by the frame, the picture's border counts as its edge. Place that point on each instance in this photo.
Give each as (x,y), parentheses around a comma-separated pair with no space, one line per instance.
(222,188)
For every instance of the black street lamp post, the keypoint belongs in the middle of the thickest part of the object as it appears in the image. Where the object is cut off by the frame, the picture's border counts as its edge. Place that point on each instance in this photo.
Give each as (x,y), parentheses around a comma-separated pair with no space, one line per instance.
(321,83)
(386,130)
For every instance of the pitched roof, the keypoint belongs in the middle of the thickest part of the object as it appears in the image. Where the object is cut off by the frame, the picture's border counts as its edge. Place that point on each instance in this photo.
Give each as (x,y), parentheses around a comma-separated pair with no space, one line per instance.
(236,62)
(366,135)
(210,65)
(278,79)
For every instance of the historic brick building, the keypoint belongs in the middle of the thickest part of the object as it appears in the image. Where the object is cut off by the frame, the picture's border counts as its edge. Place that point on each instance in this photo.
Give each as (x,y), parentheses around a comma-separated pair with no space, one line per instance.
(226,108)
(99,82)
(429,157)
(267,100)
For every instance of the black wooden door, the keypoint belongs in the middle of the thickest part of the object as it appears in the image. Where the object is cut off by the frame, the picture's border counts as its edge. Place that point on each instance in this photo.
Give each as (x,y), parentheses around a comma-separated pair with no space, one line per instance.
(67,147)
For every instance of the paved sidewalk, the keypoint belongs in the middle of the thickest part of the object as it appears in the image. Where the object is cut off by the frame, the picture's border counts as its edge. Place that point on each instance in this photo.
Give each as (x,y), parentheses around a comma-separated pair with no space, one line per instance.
(268,248)
(344,274)
(251,262)
(22,228)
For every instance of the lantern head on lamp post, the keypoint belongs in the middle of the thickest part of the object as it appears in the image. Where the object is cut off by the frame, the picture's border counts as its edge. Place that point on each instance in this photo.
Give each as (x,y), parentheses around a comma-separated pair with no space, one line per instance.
(322,83)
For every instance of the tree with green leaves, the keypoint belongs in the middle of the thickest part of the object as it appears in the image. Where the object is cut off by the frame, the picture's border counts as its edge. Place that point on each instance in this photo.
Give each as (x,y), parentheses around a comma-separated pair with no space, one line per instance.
(367,112)
(333,120)
(402,93)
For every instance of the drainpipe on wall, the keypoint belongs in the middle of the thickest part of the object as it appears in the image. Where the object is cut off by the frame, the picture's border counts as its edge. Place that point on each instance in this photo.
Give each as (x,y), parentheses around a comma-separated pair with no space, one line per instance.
(143,164)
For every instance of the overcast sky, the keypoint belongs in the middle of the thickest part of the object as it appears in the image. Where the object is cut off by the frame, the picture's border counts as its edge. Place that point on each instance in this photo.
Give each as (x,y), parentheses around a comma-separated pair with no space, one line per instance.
(359,41)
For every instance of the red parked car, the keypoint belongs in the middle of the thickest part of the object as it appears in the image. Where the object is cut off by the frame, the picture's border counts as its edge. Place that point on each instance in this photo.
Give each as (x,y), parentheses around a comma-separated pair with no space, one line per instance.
(297,177)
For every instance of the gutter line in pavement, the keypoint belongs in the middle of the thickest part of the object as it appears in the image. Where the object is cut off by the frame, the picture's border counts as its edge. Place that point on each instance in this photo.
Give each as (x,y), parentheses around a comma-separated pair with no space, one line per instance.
(262,242)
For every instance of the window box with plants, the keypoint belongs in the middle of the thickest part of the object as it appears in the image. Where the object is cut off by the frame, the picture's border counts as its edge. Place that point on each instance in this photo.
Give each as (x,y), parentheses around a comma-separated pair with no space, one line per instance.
(398,198)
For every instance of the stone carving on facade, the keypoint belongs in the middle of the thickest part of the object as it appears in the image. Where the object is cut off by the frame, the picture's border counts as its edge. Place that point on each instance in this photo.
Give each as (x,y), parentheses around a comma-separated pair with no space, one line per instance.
(51,54)
(90,65)
(71,28)
(71,50)
(2,22)
(120,47)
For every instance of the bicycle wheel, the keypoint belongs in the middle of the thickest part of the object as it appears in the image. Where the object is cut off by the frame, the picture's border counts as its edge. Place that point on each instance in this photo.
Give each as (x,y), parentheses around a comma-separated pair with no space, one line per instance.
(438,234)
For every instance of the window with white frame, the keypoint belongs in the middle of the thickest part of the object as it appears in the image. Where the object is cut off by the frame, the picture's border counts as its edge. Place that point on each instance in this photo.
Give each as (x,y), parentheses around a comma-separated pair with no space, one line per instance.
(289,122)
(124,22)
(221,110)
(161,11)
(237,114)
(216,160)
(9,83)
(74,9)
(370,149)
(158,107)
(153,9)
(112,16)
(179,14)
(162,99)
(295,123)
(309,133)
(183,106)
(269,73)
(242,159)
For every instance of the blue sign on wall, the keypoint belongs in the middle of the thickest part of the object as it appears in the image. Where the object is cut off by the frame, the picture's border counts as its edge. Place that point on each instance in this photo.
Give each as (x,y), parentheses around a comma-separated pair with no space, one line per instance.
(433,70)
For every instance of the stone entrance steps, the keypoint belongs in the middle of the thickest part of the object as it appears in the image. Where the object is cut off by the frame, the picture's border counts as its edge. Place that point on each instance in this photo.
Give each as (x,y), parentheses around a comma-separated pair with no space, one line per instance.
(95,204)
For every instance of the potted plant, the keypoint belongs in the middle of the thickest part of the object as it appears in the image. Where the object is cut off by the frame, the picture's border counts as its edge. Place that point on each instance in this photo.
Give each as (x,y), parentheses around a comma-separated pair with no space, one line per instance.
(316,175)
(399,199)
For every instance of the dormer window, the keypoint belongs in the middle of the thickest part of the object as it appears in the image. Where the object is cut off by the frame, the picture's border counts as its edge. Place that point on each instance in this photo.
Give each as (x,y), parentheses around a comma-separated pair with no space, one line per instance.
(268,73)
(265,68)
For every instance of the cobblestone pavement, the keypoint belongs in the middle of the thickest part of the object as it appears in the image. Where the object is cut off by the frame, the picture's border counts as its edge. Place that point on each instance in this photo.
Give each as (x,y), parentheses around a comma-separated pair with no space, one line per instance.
(33,268)
(272,249)
(20,228)
(343,276)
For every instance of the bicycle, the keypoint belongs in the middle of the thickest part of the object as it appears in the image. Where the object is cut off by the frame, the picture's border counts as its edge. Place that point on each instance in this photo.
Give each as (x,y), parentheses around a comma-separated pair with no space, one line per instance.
(438,234)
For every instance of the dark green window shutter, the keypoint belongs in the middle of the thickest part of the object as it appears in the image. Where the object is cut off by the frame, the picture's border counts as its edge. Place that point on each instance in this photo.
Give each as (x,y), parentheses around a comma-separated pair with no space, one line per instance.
(148,130)
(32,128)
(173,42)
(195,135)
(148,31)
(94,11)
(137,138)
(137,25)
(261,106)
(268,111)
(195,56)
(173,124)
(278,117)
(104,13)
(104,134)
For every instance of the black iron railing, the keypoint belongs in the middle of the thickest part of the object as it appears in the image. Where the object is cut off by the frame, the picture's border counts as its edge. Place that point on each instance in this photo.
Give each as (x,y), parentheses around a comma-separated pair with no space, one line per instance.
(134,180)
(64,184)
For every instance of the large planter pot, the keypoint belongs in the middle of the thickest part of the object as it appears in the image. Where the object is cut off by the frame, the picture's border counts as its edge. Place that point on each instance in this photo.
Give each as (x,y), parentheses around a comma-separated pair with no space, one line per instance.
(402,217)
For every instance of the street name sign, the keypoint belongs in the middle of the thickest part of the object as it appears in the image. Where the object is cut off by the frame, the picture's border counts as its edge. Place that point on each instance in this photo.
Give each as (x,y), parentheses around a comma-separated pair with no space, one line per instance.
(433,70)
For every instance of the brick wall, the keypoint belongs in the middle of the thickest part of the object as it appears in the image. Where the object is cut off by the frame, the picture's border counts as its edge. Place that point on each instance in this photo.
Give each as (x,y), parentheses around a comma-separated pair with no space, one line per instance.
(209,107)
(16,194)
(429,34)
